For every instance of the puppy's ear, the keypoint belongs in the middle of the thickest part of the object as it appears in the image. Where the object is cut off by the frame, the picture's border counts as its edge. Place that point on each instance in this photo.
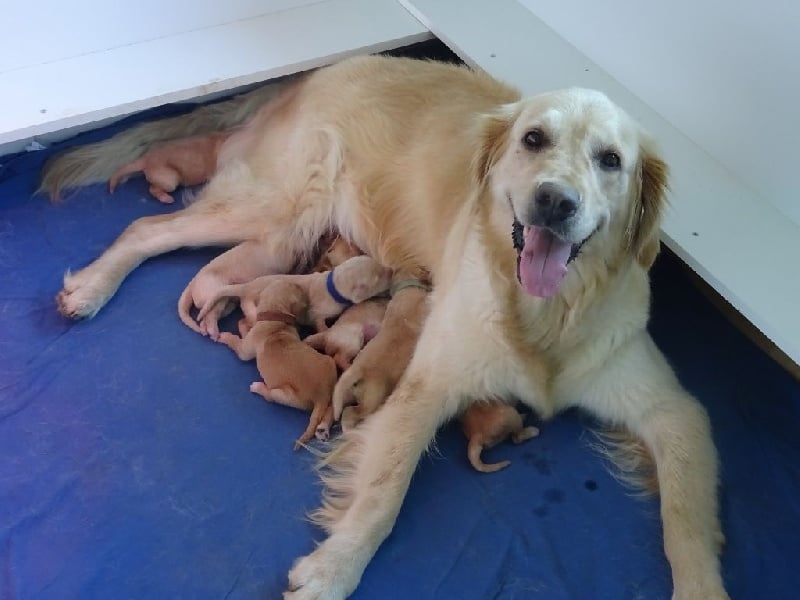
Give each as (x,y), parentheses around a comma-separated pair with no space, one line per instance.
(316,341)
(642,234)
(492,139)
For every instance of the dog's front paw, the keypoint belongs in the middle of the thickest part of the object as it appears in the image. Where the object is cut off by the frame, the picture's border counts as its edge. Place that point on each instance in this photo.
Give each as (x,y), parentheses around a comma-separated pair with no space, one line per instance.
(707,588)
(83,295)
(326,574)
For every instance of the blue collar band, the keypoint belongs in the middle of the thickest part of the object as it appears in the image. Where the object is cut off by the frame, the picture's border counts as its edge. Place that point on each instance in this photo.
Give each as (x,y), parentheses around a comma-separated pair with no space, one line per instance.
(334,292)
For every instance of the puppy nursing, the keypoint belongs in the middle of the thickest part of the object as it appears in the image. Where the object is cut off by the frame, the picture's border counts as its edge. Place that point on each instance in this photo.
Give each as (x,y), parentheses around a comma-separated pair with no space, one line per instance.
(329,293)
(487,424)
(352,331)
(189,161)
(293,373)
(380,365)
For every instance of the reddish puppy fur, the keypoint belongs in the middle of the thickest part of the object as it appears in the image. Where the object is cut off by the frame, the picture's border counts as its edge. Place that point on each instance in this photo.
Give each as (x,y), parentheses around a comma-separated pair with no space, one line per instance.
(379,366)
(357,279)
(486,424)
(189,161)
(294,373)
(338,252)
(351,332)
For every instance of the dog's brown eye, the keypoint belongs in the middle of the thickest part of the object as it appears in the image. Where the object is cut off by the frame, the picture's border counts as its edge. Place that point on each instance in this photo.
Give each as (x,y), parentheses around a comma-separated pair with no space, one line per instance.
(610,160)
(534,140)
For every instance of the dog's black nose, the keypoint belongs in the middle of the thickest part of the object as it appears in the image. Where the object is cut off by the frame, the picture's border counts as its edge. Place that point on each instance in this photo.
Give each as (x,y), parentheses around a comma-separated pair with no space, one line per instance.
(554,203)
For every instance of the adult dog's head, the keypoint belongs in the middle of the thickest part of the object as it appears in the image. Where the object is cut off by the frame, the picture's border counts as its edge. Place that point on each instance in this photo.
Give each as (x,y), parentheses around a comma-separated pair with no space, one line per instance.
(580,178)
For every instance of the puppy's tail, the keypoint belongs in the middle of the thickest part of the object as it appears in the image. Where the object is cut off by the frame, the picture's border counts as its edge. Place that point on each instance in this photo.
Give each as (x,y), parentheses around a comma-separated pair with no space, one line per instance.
(128,169)
(317,415)
(185,303)
(98,162)
(474,450)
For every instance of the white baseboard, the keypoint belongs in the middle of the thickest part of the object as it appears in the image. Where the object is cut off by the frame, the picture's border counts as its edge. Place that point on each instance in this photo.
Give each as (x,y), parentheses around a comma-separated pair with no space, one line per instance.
(90,88)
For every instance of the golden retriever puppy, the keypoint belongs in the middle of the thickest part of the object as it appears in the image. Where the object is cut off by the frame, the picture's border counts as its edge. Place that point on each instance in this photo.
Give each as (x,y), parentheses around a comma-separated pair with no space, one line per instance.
(355,280)
(355,327)
(338,251)
(486,424)
(432,166)
(189,161)
(380,365)
(294,374)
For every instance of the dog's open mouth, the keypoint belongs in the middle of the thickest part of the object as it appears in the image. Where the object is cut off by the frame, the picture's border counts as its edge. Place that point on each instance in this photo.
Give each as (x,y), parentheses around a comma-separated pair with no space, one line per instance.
(542,258)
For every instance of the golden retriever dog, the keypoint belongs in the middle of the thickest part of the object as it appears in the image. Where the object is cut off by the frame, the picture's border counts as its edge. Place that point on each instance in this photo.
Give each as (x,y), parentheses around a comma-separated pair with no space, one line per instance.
(486,424)
(432,166)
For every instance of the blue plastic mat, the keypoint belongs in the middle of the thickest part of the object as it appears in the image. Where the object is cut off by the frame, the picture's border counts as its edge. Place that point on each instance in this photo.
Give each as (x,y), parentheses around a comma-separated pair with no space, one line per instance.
(135,463)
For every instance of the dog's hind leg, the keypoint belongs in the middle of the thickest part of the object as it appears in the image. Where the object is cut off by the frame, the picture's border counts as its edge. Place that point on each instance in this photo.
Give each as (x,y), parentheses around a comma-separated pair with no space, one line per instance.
(88,290)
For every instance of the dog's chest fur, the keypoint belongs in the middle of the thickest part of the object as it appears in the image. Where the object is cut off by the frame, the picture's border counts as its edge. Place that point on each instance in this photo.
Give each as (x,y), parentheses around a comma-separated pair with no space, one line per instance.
(504,344)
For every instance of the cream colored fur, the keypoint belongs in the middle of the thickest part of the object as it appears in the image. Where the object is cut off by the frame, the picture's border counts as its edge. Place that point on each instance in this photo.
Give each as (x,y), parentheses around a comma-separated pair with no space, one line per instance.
(357,279)
(422,165)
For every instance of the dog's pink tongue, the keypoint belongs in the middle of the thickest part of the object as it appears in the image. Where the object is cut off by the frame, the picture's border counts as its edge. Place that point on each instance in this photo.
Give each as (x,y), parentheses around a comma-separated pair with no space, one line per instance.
(543,262)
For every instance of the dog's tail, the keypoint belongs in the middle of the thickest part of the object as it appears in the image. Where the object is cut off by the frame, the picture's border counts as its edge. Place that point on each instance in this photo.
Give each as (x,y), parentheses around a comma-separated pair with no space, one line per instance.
(97,162)
(474,450)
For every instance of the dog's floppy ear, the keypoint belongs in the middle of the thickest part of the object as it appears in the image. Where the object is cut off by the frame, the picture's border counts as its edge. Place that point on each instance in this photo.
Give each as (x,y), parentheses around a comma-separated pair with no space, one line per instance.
(648,206)
(492,137)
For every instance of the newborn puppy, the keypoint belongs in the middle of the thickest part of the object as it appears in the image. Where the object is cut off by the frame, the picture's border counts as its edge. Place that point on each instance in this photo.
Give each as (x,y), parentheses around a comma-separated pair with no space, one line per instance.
(242,263)
(294,374)
(355,280)
(486,424)
(188,161)
(338,252)
(353,329)
(379,366)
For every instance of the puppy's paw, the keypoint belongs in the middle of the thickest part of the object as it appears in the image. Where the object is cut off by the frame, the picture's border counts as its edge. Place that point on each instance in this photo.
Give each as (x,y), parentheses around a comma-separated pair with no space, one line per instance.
(323,433)
(260,388)
(325,574)
(83,295)
(209,324)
